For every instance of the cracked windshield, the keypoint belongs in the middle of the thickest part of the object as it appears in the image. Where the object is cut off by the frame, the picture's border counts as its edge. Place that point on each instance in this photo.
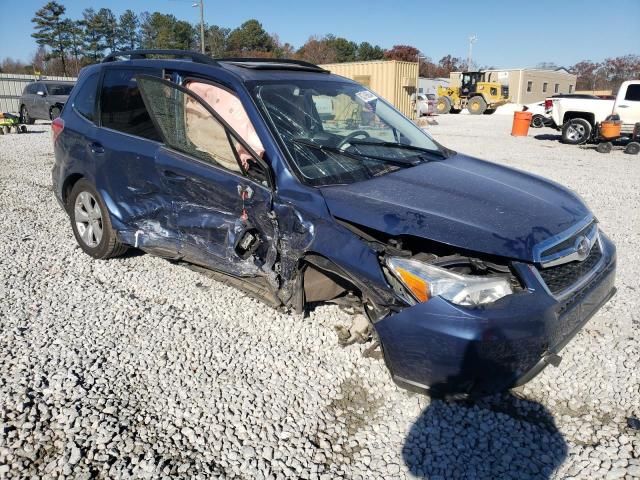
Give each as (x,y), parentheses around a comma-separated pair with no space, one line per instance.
(340,133)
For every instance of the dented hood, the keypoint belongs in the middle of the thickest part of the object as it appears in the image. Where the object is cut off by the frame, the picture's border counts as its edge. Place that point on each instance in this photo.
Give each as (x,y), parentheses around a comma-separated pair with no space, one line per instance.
(461,201)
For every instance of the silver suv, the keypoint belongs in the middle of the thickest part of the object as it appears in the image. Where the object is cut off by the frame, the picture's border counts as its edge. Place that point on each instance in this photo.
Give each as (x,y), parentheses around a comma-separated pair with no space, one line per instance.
(43,100)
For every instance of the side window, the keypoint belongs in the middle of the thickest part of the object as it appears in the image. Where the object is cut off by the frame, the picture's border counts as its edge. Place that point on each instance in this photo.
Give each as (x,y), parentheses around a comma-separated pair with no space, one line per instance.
(187,126)
(84,101)
(230,108)
(121,105)
(633,93)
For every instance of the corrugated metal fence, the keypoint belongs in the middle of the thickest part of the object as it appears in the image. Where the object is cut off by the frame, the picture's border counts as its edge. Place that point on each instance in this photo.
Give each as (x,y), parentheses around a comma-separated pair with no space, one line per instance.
(12,85)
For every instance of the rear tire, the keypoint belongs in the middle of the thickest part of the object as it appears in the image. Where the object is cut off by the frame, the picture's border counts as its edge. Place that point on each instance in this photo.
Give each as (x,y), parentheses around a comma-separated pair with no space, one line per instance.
(24,116)
(91,223)
(490,111)
(443,106)
(54,112)
(537,121)
(576,131)
(476,106)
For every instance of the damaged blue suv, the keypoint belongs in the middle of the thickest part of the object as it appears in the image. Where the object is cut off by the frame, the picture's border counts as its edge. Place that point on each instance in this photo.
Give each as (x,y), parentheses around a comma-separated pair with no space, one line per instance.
(302,187)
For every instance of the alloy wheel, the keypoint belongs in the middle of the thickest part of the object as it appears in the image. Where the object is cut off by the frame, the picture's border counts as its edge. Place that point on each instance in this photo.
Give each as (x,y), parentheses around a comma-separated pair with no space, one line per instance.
(88,218)
(575,132)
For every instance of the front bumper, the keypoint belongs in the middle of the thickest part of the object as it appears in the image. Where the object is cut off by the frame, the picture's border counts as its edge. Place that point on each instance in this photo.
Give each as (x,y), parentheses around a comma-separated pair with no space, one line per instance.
(448,349)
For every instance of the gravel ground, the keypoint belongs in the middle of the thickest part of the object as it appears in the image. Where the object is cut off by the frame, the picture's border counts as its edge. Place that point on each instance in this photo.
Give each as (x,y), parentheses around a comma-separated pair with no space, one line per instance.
(136,367)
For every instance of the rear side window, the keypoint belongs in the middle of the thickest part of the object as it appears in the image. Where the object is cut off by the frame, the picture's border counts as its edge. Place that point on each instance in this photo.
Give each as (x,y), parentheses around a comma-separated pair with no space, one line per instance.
(121,105)
(85,100)
(59,88)
(633,93)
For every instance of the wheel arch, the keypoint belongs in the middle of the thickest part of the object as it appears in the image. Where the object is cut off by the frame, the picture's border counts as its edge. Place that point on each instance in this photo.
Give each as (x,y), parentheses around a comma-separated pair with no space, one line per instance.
(68,185)
(589,117)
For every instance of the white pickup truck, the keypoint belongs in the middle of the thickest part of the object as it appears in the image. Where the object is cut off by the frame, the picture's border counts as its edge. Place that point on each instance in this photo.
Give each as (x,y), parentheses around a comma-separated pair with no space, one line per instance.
(579,117)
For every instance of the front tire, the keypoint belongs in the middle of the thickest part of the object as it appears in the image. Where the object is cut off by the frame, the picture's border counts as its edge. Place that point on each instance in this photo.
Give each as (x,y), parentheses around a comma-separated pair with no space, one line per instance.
(91,223)
(24,116)
(476,106)
(576,131)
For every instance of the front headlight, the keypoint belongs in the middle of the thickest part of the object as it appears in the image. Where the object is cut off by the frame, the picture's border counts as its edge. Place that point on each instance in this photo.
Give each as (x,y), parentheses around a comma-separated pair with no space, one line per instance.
(426,281)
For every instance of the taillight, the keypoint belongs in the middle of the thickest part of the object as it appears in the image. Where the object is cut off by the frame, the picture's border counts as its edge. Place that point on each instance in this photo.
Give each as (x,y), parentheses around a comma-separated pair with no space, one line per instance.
(548,104)
(57,126)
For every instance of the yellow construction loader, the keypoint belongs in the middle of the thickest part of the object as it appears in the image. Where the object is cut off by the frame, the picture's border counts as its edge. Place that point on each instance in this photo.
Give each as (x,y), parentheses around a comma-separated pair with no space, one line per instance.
(475,93)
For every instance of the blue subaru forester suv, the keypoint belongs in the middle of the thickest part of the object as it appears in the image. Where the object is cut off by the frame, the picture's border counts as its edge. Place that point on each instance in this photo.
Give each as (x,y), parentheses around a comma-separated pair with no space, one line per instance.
(300,187)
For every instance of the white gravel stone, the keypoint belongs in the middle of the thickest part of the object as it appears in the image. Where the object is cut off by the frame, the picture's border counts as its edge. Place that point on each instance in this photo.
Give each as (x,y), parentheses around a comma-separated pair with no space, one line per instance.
(136,367)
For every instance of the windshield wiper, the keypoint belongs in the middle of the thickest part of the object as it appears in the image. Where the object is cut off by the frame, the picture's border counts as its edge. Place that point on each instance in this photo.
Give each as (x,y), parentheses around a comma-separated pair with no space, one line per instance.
(436,153)
(325,148)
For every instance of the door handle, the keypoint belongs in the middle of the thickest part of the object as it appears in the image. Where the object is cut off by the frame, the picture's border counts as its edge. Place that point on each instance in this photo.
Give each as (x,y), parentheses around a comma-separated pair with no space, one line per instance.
(173,176)
(623,106)
(96,148)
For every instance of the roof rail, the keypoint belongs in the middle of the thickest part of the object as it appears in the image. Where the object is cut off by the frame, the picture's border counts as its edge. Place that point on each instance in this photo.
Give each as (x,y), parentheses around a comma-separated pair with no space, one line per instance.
(271,61)
(141,54)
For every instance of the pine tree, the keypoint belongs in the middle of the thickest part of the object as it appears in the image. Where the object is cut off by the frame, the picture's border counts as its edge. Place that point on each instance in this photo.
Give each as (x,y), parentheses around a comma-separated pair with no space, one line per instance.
(93,42)
(51,31)
(128,37)
(108,28)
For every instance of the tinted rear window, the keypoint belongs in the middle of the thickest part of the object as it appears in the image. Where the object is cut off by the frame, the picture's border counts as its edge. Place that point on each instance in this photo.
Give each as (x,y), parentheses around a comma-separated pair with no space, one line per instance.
(59,89)
(633,93)
(85,100)
(121,104)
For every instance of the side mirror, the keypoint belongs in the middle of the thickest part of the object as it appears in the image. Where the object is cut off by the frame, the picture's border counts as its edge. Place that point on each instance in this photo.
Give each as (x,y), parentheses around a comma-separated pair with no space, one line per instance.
(41,93)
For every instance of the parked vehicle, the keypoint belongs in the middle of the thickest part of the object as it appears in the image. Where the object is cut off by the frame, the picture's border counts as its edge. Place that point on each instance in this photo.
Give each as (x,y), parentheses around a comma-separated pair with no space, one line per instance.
(541,115)
(426,104)
(476,93)
(43,100)
(578,117)
(470,276)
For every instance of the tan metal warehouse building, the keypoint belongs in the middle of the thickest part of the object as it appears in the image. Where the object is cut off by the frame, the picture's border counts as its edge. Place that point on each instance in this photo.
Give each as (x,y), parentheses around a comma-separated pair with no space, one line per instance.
(529,85)
(392,80)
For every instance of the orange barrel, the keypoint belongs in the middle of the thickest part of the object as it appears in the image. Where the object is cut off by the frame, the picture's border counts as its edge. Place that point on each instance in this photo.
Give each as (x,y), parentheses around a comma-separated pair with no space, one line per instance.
(610,129)
(521,122)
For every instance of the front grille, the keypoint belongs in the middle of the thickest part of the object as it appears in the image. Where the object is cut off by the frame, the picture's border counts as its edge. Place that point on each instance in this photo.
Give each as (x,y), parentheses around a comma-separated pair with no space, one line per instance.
(588,231)
(561,277)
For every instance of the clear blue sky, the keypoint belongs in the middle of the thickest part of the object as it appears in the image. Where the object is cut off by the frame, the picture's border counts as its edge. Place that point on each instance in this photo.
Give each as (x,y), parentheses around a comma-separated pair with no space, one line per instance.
(560,31)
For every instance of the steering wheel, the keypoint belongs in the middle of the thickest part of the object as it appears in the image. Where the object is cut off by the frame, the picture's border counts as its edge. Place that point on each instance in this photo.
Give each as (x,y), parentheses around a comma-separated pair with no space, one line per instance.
(351,136)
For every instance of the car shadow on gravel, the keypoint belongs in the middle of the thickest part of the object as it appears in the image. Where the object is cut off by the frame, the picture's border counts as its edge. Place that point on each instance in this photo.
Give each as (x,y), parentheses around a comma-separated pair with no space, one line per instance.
(548,136)
(502,436)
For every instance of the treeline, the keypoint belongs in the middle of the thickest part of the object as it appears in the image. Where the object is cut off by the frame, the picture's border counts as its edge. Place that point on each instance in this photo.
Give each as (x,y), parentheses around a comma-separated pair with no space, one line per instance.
(66,45)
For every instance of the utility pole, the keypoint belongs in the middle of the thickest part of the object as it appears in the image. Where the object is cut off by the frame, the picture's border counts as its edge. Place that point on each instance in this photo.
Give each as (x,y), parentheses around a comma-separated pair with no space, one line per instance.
(418,85)
(201,5)
(472,39)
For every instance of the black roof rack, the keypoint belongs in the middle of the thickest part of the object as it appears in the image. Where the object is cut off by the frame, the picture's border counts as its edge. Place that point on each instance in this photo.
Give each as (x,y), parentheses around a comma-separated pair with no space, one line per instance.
(272,64)
(141,54)
(254,63)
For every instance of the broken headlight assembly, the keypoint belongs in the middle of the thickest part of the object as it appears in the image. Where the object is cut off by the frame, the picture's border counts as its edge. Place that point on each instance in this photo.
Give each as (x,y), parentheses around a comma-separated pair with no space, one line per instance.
(425,281)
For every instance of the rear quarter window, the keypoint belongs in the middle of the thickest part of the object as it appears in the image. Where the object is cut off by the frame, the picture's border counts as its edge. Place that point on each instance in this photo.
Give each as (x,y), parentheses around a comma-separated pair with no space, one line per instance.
(85,100)
(121,105)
